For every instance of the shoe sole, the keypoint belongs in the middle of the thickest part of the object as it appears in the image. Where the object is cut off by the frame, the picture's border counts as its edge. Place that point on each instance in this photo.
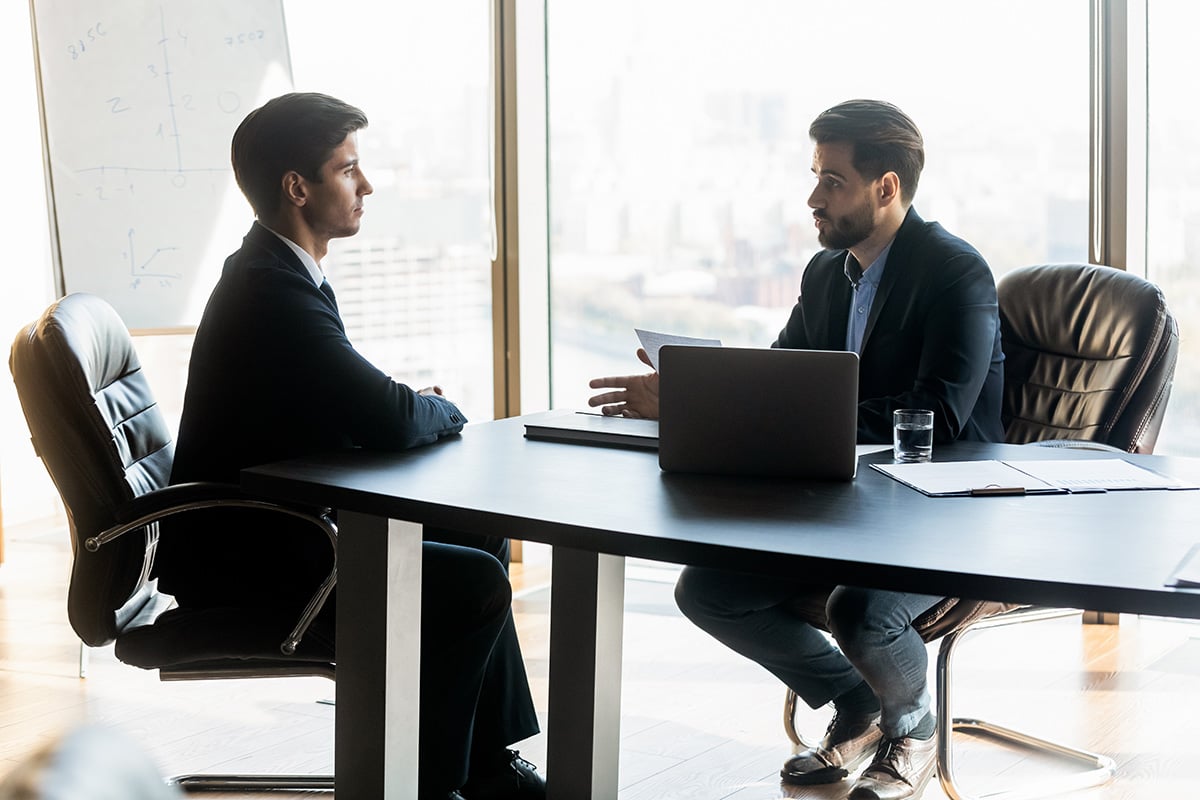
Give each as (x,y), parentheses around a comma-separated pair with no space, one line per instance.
(816,776)
(826,774)
(918,791)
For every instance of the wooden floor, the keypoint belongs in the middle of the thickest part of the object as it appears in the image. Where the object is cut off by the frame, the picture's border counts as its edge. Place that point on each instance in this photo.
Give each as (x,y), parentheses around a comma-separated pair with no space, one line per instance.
(697,721)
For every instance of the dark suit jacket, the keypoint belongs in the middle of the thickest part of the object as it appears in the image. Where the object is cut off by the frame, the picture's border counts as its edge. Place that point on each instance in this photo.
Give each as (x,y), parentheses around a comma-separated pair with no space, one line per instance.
(274,376)
(932,339)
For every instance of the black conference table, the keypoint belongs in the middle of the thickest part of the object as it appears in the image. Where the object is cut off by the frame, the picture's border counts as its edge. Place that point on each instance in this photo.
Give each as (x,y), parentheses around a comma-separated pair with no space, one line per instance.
(597,505)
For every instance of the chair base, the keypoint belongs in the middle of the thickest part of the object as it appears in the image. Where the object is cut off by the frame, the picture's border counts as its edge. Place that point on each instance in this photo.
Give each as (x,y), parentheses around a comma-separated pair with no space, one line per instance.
(252,783)
(1099,769)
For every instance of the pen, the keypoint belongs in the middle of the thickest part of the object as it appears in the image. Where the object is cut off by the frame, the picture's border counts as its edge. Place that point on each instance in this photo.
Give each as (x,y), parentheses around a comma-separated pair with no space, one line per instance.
(987,491)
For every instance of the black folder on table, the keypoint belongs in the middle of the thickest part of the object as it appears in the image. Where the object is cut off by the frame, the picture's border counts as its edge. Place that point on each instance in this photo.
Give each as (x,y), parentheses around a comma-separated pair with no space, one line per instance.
(581,427)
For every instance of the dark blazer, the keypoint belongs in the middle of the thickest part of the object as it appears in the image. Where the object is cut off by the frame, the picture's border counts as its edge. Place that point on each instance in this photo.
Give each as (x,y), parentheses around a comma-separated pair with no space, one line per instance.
(274,376)
(932,338)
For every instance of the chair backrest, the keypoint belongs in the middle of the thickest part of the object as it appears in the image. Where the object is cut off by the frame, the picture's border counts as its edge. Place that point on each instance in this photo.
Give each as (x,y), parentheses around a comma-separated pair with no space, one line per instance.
(1089,354)
(97,429)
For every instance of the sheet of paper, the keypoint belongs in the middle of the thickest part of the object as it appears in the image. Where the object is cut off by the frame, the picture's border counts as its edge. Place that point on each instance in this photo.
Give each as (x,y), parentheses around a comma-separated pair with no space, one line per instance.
(1097,474)
(652,341)
(941,478)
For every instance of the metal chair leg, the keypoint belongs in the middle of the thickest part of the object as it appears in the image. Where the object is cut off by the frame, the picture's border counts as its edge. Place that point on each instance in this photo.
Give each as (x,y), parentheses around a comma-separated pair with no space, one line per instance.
(197,782)
(789,722)
(1099,769)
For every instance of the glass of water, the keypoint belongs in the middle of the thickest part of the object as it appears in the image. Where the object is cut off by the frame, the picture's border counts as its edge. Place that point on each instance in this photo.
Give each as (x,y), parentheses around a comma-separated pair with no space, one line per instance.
(912,438)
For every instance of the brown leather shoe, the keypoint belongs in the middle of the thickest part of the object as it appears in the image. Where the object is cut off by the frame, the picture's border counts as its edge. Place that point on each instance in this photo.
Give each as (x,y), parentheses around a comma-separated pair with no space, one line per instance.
(900,770)
(847,743)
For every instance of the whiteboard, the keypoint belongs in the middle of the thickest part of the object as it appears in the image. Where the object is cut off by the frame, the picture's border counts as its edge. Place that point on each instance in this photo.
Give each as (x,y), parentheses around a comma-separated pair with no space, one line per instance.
(139,102)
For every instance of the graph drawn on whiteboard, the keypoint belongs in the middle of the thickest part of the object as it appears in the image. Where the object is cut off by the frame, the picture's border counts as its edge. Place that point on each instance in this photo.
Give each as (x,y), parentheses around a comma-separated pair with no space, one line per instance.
(139,103)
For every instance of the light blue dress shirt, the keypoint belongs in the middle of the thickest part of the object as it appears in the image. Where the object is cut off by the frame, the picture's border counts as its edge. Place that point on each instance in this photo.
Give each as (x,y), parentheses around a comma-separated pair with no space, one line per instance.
(866,284)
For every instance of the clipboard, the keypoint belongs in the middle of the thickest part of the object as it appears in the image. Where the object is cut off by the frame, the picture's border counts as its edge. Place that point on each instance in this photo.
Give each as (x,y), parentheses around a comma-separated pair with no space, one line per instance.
(967,479)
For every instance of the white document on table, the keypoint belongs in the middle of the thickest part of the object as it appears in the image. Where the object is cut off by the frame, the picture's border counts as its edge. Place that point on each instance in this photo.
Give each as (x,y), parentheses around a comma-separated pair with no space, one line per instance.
(983,478)
(1098,475)
(653,341)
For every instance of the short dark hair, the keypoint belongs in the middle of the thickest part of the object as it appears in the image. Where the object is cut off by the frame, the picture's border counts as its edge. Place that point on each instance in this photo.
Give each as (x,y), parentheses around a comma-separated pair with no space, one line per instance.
(885,139)
(297,131)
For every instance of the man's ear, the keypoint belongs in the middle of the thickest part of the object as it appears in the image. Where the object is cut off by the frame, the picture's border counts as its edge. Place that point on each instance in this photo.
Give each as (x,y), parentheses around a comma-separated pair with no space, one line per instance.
(889,188)
(295,188)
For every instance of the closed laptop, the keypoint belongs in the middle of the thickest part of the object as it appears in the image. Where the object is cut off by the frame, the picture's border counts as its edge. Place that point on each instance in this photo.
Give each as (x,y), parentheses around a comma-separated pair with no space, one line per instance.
(756,411)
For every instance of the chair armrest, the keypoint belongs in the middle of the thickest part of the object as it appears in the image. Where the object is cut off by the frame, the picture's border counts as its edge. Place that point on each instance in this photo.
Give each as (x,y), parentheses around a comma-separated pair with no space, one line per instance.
(181,498)
(185,497)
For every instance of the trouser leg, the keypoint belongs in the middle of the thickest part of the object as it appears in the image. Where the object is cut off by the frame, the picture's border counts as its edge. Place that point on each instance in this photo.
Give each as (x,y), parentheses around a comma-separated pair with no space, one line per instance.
(874,630)
(777,622)
(764,618)
(465,606)
(505,712)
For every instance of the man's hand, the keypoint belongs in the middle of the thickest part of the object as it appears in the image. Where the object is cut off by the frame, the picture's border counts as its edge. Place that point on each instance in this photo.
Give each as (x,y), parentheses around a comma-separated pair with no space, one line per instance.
(432,390)
(636,395)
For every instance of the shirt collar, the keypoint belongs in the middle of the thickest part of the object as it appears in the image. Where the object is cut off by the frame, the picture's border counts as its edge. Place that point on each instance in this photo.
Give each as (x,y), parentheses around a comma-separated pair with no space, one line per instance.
(874,271)
(310,263)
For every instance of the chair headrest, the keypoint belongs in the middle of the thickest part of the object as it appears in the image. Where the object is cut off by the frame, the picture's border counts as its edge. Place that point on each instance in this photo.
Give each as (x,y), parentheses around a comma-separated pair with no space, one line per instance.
(1089,353)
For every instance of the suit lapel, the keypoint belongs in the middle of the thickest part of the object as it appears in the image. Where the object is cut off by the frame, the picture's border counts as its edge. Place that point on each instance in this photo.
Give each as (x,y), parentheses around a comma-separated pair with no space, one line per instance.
(839,307)
(893,269)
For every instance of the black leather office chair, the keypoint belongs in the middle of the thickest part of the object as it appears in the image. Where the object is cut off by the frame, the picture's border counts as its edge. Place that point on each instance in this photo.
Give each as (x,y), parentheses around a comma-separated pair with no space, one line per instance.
(100,434)
(1090,355)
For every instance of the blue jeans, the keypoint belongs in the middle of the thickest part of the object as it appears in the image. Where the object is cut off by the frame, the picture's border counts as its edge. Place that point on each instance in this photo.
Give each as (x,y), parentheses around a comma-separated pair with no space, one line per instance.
(779,622)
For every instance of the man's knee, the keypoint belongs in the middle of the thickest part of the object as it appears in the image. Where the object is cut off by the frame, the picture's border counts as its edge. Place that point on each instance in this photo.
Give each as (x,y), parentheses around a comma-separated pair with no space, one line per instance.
(854,613)
(464,581)
(694,592)
(487,581)
(714,594)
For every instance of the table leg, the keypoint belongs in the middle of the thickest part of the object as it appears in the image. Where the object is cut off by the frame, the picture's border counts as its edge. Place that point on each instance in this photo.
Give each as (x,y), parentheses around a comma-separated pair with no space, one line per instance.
(587,594)
(378,657)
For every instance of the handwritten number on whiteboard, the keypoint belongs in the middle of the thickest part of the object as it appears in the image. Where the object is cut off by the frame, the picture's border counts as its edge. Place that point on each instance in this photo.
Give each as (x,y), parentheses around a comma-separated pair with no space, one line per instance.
(115,105)
(245,38)
(79,46)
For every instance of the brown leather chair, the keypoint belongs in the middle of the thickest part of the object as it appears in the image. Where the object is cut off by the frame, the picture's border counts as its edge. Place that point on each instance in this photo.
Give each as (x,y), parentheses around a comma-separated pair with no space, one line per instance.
(98,430)
(1090,355)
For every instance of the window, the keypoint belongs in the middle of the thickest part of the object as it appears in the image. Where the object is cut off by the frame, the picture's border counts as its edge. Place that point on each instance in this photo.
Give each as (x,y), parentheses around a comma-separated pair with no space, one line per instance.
(1173,203)
(679,155)
(414,286)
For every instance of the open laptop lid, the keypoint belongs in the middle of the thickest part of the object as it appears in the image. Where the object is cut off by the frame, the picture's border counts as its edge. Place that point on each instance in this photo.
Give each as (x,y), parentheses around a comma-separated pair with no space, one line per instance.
(755,411)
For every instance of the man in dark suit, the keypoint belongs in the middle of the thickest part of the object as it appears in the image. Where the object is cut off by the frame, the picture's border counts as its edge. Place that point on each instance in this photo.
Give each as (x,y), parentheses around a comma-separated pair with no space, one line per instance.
(272,376)
(919,307)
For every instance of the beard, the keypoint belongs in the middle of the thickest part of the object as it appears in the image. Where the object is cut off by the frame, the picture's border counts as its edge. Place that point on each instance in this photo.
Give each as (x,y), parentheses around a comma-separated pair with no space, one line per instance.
(844,232)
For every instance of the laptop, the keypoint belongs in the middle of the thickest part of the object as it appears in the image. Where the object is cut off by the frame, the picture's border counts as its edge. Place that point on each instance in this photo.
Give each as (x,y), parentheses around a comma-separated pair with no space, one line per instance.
(761,412)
